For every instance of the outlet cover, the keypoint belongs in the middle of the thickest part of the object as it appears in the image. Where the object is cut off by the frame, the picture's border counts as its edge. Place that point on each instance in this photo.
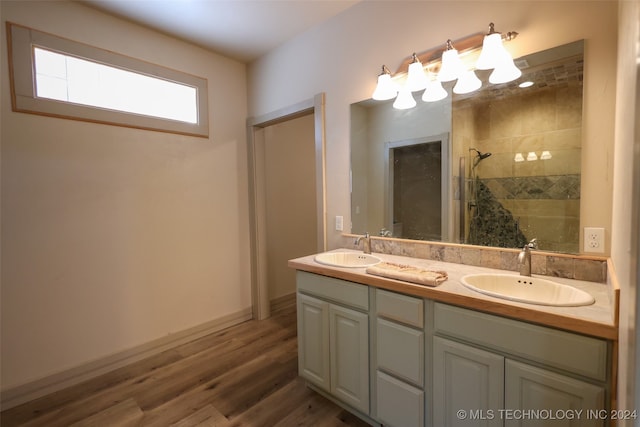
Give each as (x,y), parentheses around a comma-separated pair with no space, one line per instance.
(594,239)
(339,223)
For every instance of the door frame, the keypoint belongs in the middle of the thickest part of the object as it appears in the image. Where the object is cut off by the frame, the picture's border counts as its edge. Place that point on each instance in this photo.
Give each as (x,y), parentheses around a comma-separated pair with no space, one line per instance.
(260,307)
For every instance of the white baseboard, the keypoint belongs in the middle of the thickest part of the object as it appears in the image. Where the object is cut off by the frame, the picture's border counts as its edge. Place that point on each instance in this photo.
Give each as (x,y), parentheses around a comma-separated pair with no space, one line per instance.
(26,392)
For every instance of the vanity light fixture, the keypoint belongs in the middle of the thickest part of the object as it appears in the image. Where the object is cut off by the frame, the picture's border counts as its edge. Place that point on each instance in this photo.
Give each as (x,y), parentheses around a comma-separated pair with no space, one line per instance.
(518,158)
(451,68)
(532,156)
(386,88)
(546,155)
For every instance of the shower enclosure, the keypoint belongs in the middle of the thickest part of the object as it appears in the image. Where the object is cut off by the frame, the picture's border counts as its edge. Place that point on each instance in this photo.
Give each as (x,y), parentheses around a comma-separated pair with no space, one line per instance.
(489,222)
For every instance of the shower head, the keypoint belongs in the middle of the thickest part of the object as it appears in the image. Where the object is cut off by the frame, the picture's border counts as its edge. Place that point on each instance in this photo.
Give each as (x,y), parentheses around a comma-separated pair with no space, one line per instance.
(481,156)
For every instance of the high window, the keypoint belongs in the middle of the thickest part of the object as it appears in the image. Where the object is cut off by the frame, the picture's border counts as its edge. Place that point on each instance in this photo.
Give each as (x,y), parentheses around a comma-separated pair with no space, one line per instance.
(58,77)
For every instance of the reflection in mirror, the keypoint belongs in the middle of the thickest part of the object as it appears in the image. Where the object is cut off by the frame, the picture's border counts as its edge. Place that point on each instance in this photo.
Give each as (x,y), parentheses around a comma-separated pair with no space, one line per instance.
(417,168)
(509,165)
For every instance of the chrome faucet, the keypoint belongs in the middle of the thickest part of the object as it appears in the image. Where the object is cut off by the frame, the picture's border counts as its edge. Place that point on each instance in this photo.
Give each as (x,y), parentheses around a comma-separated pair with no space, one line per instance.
(524,257)
(384,232)
(366,246)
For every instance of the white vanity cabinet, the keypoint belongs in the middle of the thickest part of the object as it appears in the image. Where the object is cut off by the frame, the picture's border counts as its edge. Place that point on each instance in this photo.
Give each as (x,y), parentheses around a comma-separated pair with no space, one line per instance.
(402,361)
(333,337)
(399,356)
(489,370)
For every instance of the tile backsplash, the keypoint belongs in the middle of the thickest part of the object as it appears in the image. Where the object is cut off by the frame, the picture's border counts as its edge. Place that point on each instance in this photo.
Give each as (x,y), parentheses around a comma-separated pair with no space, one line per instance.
(592,269)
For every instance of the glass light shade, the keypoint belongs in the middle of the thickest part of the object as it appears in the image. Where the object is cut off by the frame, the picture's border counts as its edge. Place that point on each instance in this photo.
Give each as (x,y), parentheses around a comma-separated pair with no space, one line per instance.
(492,52)
(434,92)
(404,100)
(546,155)
(505,71)
(386,88)
(416,78)
(452,66)
(518,158)
(532,156)
(467,83)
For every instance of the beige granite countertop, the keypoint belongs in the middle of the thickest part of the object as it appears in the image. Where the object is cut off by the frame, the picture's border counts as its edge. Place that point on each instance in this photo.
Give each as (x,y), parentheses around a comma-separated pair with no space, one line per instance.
(598,319)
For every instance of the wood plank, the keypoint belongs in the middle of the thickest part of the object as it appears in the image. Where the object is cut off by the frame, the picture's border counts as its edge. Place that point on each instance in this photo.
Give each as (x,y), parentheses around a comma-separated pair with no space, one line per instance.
(205,417)
(123,414)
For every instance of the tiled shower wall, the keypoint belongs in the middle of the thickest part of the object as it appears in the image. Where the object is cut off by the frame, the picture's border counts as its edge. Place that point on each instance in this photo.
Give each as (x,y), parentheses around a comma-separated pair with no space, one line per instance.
(542,196)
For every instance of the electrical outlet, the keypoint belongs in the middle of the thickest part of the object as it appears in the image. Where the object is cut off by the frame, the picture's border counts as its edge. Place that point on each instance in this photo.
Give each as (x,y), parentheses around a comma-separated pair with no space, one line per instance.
(594,239)
(339,223)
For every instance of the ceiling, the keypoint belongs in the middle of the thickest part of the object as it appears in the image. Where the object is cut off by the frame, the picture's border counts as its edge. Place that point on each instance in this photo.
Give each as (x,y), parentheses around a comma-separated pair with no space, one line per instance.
(240,29)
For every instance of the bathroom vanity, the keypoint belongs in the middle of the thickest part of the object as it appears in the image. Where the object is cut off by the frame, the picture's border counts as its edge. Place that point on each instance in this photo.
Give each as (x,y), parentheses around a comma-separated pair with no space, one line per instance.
(401,354)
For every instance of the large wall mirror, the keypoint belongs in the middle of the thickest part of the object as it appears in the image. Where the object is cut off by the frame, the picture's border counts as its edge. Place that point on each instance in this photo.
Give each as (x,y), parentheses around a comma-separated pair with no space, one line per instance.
(497,167)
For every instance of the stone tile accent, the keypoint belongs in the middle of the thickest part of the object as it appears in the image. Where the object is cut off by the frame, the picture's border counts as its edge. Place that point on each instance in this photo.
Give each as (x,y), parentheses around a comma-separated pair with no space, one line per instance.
(544,263)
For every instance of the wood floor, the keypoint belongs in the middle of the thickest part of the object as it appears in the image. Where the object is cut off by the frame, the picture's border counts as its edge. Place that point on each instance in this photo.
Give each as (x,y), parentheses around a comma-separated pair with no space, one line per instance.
(243,376)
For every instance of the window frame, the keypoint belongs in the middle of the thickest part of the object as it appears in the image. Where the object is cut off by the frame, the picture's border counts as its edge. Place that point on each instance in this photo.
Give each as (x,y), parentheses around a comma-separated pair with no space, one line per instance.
(21,42)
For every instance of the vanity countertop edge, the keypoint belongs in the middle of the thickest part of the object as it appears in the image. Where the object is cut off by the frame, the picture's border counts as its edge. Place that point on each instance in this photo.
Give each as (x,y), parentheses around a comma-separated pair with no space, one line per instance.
(597,320)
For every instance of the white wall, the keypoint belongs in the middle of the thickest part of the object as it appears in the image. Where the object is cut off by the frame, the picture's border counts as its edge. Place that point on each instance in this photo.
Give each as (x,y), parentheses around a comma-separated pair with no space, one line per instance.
(624,250)
(113,237)
(342,58)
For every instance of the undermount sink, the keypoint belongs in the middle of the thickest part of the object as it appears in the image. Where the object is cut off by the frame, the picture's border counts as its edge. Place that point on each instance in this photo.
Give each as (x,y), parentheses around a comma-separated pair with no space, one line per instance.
(347,259)
(532,290)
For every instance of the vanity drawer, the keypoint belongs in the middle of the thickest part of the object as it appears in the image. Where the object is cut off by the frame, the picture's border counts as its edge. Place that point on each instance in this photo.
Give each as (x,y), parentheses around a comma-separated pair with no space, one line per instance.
(399,404)
(401,308)
(336,290)
(400,351)
(565,350)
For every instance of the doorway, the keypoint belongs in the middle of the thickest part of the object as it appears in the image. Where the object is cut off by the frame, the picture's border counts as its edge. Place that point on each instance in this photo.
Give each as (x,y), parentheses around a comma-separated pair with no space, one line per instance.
(286,179)
(418,188)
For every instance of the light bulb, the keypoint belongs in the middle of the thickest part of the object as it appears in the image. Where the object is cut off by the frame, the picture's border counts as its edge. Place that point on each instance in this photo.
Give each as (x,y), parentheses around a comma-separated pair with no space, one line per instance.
(434,92)
(505,71)
(452,66)
(492,51)
(416,79)
(467,83)
(386,88)
(404,100)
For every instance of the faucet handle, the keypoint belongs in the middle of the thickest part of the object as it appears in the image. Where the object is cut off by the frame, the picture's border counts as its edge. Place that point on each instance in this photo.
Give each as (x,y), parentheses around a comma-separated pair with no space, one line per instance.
(533,244)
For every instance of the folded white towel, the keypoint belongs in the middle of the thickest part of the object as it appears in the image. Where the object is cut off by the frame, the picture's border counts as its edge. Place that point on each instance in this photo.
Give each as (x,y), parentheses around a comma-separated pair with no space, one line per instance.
(408,273)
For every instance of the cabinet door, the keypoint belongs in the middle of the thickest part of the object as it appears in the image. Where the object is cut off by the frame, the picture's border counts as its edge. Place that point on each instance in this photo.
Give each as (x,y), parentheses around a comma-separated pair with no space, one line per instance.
(529,389)
(313,341)
(467,381)
(399,404)
(349,335)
